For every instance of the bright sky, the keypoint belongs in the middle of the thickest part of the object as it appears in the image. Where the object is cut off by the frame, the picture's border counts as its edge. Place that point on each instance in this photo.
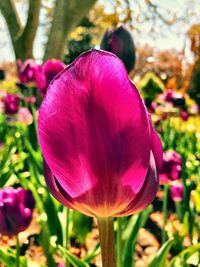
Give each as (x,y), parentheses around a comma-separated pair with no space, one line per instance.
(163,37)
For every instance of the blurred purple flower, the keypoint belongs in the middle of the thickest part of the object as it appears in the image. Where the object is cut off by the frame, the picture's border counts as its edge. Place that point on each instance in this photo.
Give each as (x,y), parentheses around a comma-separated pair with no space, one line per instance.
(184,115)
(46,73)
(169,95)
(16,207)
(27,70)
(176,192)
(101,152)
(171,168)
(11,104)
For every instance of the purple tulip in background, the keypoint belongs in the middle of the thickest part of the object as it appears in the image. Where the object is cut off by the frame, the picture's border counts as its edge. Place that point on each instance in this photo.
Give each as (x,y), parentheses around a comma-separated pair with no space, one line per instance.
(176,192)
(172,167)
(11,104)
(169,95)
(184,115)
(120,42)
(27,70)
(177,99)
(16,207)
(100,149)
(46,73)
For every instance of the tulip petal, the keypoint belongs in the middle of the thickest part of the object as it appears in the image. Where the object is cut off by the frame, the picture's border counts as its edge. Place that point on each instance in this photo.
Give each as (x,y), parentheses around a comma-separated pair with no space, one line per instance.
(156,147)
(94,130)
(50,180)
(147,193)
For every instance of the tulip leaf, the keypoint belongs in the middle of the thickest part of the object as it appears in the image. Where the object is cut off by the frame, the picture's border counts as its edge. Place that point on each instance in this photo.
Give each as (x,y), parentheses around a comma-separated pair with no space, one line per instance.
(82,226)
(75,261)
(93,254)
(46,244)
(160,259)
(130,235)
(8,258)
(53,219)
(184,255)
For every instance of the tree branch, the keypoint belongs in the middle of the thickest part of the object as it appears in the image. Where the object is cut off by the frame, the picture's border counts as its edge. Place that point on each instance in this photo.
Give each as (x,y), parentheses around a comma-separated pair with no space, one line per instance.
(31,26)
(32,20)
(10,14)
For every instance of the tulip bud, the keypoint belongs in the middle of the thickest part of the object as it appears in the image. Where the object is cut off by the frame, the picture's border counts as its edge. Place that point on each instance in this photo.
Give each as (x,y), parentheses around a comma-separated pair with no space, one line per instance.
(11,104)
(119,42)
(177,191)
(16,207)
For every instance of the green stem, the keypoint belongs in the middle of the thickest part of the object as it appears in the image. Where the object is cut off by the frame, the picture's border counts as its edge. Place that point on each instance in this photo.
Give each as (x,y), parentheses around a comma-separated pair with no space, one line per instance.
(17,251)
(119,242)
(107,241)
(66,236)
(178,210)
(166,192)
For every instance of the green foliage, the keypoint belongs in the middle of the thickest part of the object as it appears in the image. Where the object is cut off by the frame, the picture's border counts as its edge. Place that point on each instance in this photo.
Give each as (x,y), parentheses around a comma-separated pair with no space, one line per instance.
(150,86)
(81,43)
(82,226)
(160,259)
(194,87)
(130,235)
(75,261)
(8,258)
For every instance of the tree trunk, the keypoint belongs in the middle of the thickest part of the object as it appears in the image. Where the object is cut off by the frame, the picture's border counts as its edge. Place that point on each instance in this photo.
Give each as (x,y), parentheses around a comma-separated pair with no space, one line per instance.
(21,37)
(67,14)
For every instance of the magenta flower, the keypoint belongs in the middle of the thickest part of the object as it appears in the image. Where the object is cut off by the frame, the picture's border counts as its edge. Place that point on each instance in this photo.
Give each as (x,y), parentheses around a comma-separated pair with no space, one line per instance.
(184,115)
(16,207)
(46,73)
(172,167)
(169,95)
(120,42)
(101,152)
(176,192)
(11,104)
(27,70)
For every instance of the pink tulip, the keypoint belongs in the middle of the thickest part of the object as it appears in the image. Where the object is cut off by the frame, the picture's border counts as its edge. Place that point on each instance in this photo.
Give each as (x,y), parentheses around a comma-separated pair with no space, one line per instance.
(24,116)
(177,191)
(46,73)
(153,107)
(171,168)
(30,99)
(101,152)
